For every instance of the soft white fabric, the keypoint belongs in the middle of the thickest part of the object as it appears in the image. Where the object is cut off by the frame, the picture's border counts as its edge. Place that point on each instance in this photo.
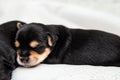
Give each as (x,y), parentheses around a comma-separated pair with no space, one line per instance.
(67,72)
(71,16)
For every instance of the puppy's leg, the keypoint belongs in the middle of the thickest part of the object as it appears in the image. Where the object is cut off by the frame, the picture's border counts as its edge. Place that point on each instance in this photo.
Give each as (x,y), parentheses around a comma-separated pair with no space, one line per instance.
(5,70)
(5,73)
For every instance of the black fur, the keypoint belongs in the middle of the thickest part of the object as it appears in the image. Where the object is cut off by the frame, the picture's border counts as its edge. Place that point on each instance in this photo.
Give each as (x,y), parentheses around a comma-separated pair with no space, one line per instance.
(71,46)
(7,50)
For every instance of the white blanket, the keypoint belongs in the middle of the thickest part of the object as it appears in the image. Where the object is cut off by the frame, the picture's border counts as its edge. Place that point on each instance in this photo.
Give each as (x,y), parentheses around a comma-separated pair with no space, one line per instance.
(67,72)
(69,15)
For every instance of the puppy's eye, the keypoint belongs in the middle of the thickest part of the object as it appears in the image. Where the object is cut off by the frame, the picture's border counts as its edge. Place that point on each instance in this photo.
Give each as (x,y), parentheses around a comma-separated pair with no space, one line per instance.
(34,44)
(17,44)
(36,47)
(39,49)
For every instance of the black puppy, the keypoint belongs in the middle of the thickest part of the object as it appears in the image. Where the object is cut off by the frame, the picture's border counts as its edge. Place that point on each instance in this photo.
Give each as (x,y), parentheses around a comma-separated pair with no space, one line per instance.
(7,50)
(55,44)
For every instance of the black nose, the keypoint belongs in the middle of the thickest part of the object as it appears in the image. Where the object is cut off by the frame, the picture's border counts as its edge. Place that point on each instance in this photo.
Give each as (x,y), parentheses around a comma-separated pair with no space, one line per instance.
(24,53)
(24,59)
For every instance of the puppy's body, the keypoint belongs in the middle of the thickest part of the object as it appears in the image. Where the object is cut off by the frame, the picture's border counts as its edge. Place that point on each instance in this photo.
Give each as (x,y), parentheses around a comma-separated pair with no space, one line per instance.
(85,47)
(71,46)
(7,50)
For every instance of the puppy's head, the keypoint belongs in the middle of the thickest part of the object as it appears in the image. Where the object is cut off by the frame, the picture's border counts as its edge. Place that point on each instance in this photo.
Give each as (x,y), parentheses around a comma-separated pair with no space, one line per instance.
(33,43)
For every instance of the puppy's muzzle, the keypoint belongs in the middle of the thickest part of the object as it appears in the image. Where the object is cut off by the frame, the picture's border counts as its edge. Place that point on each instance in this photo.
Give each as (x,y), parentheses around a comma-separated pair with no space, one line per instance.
(24,59)
(33,59)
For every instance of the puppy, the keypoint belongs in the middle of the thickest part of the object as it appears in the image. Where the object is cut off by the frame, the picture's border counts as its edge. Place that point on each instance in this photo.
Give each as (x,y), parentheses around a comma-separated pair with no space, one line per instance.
(55,44)
(7,50)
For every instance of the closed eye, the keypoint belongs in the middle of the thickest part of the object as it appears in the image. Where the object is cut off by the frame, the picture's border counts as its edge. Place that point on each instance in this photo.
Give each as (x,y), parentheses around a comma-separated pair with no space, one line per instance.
(36,47)
(39,49)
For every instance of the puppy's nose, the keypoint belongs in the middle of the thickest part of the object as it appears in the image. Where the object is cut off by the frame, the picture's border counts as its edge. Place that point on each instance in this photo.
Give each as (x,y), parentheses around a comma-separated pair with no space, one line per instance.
(24,53)
(24,59)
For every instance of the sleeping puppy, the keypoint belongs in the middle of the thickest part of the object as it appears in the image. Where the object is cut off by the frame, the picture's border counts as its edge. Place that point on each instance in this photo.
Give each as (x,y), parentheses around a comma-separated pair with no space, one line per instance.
(55,44)
(7,50)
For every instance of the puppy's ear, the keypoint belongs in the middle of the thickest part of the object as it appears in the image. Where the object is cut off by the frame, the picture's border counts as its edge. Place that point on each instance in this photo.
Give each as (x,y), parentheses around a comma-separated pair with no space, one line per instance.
(50,43)
(19,25)
(52,39)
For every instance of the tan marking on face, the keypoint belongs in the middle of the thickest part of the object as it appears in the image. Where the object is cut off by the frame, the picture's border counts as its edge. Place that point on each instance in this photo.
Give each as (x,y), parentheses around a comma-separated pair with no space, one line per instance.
(49,41)
(35,54)
(17,43)
(34,44)
(40,57)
